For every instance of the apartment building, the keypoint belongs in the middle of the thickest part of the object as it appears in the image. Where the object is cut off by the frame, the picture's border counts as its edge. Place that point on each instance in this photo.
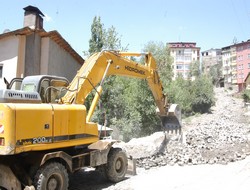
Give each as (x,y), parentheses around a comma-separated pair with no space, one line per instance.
(210,58)
(243,62)
(236,64)
(184,54)
(229,65)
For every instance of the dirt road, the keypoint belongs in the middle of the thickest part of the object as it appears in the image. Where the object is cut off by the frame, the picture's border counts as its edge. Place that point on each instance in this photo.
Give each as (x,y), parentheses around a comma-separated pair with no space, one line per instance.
(235,175)
(206,177)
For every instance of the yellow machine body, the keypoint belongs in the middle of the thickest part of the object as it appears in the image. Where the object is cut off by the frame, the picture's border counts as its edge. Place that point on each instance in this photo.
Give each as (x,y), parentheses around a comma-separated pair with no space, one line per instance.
(32,127)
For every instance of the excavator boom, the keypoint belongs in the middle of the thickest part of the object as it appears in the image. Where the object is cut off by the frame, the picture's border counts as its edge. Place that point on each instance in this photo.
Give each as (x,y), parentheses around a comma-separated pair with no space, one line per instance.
(106,63)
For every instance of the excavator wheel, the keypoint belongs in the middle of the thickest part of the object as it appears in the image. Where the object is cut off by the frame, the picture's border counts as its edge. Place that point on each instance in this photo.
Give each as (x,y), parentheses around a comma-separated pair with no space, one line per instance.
(117,165)
(51,176)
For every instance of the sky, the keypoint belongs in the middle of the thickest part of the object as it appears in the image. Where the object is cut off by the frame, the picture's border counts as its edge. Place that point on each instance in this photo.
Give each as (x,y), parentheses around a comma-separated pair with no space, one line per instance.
(211,24)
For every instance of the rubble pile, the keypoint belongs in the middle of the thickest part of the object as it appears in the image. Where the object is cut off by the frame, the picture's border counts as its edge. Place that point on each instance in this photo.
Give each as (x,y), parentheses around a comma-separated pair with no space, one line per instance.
(204,145)
(221,137)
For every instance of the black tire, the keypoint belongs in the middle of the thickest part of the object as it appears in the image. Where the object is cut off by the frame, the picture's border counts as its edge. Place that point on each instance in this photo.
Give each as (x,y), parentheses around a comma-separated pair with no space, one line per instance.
(51,176)
(117,165)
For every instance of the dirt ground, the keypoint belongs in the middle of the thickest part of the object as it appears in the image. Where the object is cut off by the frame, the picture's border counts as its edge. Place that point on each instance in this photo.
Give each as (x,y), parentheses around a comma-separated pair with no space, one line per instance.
(227,127)
(217,177)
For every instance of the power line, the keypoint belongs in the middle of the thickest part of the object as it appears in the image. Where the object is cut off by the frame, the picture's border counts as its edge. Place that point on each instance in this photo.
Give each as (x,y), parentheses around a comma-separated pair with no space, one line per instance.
(238,19)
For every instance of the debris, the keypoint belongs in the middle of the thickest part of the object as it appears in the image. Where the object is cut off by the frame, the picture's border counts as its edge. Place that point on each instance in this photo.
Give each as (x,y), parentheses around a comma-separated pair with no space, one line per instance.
(219,137)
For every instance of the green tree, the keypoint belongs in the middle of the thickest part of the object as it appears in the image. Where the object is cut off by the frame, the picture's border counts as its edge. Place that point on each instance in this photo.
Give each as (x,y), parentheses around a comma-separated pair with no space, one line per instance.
(193,96)
(112,110)
(203,95)
(112,39)
(216,72)
(179,92)
(97,39)
(163,59)
(195,69)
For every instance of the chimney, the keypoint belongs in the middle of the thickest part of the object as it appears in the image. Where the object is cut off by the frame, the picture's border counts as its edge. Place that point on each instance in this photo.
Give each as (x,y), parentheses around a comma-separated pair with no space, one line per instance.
(33,18)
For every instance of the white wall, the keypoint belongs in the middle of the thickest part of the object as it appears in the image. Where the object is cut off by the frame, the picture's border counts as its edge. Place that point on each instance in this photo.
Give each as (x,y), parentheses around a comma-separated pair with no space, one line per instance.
(8,58)
(60,62)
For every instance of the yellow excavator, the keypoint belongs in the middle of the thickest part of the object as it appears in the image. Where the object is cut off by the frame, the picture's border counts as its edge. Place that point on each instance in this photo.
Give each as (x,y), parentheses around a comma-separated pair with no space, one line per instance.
(46,131)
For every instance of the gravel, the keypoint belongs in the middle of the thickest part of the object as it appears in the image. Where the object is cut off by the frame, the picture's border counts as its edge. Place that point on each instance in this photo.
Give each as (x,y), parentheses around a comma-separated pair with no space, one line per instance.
(219,137)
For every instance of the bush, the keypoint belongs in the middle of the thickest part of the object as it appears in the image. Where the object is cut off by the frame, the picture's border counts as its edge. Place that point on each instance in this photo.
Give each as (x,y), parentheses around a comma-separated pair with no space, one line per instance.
(179,93)
(203,96)
(193,96)
(246,95)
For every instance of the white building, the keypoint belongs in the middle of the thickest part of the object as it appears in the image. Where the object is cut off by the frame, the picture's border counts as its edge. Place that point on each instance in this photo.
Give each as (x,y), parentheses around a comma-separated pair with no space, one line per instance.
(229,65)
(32,51)
(184,54)
(210,58)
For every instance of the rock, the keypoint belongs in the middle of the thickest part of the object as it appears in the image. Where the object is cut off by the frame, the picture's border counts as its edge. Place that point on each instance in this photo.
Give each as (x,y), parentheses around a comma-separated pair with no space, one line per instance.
(219,137)
(146,146)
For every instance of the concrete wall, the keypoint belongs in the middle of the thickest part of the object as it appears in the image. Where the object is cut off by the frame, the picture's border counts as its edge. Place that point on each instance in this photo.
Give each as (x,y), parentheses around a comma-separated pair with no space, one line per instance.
(21,56)
(60,62)
(32,55)
(8,58)
(44,56)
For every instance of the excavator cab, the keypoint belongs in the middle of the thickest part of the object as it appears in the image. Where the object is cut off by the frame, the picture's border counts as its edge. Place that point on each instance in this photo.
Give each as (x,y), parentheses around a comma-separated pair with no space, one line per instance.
(34,89)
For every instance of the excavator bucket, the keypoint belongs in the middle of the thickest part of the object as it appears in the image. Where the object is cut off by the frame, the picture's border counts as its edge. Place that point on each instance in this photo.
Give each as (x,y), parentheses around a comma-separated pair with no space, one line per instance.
(172,122)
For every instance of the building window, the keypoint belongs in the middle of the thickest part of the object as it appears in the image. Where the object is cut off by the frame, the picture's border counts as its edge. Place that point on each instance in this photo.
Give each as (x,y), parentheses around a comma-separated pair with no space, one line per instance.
(240,67)
(248,56)
(248,65)
(1,71)
(187,58)
(240,57)
(186,67)
(241,76)
(179,58)
(240,48)
(179,67)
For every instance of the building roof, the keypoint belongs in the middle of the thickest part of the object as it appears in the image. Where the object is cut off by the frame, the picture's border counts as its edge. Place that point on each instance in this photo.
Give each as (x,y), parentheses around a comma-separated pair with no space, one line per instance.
(53,35)
(211,50)
(33,9)
(182,45)
(227,47)
(243,43)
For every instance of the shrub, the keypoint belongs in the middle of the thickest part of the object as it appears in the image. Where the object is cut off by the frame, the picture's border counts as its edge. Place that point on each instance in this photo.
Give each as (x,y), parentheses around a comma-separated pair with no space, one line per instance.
(246,95)
(179,93)
(203,96)
(193,96)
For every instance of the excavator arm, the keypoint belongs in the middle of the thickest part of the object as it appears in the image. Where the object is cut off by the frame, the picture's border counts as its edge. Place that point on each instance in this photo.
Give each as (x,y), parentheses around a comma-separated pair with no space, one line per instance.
(106,63)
